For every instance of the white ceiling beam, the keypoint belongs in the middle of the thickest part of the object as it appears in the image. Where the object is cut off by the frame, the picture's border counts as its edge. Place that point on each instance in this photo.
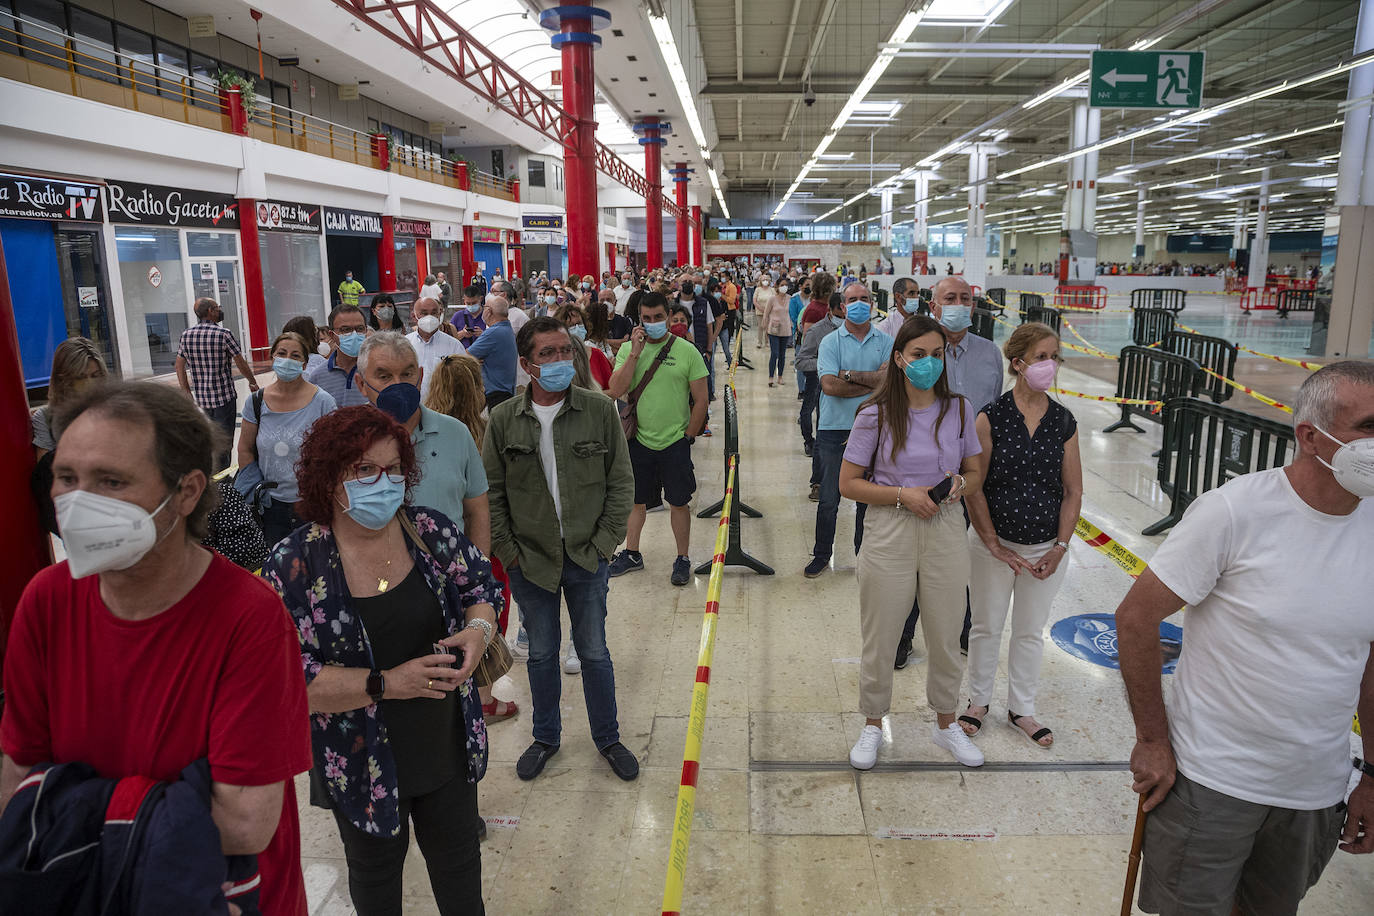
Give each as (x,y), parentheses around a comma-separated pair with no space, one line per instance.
(787,43)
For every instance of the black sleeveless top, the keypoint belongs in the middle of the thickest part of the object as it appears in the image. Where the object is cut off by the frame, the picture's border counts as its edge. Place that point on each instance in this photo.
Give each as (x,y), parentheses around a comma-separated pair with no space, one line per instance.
(1025,484)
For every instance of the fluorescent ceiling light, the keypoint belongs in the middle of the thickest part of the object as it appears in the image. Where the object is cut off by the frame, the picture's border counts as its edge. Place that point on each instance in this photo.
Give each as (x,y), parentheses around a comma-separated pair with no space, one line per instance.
(965,12)
(663,32)
(715,183)
(1253,143)
(836,156)
(901,33)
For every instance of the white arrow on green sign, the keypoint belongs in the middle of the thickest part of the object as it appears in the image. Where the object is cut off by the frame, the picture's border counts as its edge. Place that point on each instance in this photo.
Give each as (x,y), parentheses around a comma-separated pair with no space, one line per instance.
(1146,79)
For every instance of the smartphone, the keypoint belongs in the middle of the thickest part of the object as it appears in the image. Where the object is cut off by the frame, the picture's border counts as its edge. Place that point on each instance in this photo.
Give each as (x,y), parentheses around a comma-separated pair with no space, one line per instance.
(441,649)
(940,492)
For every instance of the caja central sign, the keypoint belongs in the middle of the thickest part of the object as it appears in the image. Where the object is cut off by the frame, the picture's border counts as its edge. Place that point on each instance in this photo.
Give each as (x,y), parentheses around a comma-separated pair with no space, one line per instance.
(158,205)
(352,222)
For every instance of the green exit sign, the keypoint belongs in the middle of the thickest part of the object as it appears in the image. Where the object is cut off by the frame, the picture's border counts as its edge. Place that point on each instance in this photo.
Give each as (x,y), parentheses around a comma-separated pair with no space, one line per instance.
(1146,79)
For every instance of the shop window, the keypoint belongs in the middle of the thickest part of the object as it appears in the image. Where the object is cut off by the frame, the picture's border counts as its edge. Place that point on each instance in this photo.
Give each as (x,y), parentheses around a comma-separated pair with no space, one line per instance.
(212,244)
(156,306)
(292,270)
(536,170)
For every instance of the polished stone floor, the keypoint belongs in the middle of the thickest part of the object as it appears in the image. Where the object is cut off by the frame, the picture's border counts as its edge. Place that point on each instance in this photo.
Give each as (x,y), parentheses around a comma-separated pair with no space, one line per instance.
(783,824)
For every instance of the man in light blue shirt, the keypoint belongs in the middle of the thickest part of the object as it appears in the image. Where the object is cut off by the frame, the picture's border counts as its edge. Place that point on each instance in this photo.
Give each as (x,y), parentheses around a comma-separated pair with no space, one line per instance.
(850,364)
(974,364)
(336,375)
(495,349)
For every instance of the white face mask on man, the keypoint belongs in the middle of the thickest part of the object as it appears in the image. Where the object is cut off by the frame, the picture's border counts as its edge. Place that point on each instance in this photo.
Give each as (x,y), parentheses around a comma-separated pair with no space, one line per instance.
(102,533)
(1352,465)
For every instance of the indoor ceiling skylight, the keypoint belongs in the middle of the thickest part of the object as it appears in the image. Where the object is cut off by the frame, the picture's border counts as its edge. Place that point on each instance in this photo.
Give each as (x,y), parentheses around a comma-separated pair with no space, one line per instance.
(965,12)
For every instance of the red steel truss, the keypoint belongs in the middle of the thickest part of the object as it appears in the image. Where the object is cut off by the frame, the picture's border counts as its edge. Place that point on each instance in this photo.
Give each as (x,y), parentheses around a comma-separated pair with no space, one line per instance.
(428,31)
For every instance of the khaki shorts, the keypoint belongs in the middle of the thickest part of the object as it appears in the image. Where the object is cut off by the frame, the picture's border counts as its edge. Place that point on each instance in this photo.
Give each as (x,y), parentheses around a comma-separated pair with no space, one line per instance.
(1206,852)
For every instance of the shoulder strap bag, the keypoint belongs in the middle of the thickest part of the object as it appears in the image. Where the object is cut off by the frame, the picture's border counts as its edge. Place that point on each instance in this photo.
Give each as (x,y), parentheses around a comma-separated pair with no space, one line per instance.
(629,417)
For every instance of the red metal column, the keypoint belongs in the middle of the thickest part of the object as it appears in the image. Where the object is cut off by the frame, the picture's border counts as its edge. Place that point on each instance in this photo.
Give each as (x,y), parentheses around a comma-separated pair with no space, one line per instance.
(696,236)
(23,543)
(574,23)
(651,131)
(254,298)
(680,173)
(386,257)
(469,258)
(517,259)
(610,258)
(422,257)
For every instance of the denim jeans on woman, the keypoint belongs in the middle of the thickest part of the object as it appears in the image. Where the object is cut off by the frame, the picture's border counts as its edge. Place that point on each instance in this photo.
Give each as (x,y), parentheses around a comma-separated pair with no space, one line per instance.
(541,613)
(777,355)
(826,457)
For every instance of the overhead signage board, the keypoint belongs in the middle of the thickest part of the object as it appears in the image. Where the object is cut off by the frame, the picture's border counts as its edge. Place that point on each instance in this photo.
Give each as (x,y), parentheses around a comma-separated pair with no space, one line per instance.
(1146,79)
(31,197)
(287,216)
(419,228)
(158,205)
(352,222)
(551,221)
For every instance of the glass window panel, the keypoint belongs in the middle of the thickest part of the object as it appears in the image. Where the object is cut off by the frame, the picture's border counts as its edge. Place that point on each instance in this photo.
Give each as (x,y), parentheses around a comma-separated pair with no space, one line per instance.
(156,306)
(44,31)
(292,270)
(94,46)
(536,170)
(203,71)
(173,67)
(136,54)
(212,244)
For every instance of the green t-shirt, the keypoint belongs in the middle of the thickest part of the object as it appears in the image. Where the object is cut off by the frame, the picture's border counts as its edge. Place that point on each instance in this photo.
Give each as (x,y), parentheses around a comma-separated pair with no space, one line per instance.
(663,410)
(349,290)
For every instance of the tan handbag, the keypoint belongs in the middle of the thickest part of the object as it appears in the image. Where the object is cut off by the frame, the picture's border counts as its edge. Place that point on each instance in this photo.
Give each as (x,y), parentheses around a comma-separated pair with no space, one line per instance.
(496,660)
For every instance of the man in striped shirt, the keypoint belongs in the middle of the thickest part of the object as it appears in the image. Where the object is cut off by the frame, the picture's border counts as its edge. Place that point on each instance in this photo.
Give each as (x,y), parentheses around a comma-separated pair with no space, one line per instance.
(204,372)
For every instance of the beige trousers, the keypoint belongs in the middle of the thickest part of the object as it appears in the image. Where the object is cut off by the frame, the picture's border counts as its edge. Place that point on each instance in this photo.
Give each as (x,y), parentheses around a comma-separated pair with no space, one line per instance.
(902,552)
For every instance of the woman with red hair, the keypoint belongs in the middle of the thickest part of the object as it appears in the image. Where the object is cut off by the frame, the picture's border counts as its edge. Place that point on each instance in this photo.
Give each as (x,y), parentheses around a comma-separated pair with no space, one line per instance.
(394,608)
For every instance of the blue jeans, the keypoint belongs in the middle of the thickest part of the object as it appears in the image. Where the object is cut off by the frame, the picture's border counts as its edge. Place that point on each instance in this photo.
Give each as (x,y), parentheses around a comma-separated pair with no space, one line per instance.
(726,339)
(827,455)
(710,357)
(801,378)
(541,616)
(811,396)
(225,417)
(777,354)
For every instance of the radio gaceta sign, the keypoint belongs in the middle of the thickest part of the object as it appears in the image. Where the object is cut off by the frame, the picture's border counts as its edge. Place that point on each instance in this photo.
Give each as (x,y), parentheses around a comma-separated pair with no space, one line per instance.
(158,205)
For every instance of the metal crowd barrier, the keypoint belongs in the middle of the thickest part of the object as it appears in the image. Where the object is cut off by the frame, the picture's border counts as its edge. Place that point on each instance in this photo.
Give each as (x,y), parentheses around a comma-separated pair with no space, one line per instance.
(1206,445)
(1296,300)
(1026,300)
(982,323)
(1172,299)
(1149,326)
(1215,353)
(1152,375)
(998,296)
(1256,298)
(1043,314)
(1083,297)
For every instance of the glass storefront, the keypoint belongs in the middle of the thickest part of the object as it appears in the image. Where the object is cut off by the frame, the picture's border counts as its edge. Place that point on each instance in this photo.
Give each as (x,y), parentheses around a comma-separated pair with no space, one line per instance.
(292,278)
(408,279)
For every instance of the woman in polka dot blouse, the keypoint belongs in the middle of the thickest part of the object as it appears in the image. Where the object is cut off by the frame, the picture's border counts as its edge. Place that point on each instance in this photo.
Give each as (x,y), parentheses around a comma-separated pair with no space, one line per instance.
(1022,521)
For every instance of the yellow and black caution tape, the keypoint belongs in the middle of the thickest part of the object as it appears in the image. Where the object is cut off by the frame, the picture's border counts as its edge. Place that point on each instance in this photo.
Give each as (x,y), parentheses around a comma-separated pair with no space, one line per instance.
(1108,399)
(1265,399)
(1092,348)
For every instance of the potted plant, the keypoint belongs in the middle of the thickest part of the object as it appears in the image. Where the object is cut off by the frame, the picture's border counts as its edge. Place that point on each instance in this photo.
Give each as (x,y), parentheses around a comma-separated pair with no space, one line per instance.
(229,81)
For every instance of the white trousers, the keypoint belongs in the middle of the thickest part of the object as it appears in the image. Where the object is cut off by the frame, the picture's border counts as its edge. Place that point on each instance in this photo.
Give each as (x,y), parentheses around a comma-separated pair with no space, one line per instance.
(993,588)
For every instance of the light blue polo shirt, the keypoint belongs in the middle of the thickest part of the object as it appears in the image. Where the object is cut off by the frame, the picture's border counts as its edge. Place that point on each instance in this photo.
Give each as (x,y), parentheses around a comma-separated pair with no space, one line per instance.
(451,469)
(839,351)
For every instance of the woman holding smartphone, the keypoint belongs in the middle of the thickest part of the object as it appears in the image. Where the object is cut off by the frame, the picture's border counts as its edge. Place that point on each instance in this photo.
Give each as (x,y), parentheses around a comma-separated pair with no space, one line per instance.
(375,587)
(912,455)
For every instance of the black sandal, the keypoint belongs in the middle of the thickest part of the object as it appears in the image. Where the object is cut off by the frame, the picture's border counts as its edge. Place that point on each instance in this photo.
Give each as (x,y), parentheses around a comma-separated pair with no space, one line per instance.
(1035,738)
(976,722)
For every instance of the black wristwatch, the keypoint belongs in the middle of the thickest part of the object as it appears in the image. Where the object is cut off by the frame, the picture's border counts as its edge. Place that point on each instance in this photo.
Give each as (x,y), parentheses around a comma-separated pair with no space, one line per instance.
(376,685)
(1365,767)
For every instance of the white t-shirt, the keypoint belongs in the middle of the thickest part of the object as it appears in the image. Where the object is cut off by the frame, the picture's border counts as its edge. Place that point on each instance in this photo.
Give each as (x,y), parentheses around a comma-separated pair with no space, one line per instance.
(622,297)
(1275,642)
(547,457)
(431,351)
(432,291)
(518,317)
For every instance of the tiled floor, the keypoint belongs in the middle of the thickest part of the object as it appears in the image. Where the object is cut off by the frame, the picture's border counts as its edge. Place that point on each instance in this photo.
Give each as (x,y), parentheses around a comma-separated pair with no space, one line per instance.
(782,824)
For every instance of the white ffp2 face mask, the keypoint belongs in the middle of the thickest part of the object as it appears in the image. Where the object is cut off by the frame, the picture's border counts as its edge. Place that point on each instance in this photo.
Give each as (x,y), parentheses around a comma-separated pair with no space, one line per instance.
(101,533)
(428,323)
(1353,465)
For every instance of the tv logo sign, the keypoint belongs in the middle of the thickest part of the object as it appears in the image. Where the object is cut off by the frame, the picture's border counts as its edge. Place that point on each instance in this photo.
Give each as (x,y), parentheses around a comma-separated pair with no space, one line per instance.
(82,201)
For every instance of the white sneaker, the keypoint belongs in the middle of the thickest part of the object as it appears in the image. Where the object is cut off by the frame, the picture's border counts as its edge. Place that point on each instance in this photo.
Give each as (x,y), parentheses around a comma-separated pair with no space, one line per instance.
(572,664)
(864,753)
(957,743)
(521,650)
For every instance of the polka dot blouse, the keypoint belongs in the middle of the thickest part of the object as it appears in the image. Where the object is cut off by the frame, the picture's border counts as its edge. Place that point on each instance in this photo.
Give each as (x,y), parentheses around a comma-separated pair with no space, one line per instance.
(1025,482)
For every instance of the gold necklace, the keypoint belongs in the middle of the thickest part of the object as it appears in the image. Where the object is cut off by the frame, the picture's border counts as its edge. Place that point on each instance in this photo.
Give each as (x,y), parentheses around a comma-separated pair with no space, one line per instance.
(382,582)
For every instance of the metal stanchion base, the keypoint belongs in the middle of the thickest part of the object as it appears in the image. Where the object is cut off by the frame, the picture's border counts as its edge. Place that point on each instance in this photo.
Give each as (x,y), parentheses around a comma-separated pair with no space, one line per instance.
(734,556)
(719,504)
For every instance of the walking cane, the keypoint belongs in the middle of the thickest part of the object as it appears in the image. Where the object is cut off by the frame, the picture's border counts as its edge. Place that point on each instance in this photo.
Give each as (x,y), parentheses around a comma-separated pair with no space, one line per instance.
(1133,861)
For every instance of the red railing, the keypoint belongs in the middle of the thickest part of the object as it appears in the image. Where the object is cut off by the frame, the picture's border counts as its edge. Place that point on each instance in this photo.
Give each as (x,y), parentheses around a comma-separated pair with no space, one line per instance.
(1084,297)
(1256,298)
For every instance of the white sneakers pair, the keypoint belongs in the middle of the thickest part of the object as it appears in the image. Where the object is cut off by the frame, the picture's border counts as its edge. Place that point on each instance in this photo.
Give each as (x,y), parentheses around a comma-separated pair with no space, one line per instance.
(864,754)
(521,652)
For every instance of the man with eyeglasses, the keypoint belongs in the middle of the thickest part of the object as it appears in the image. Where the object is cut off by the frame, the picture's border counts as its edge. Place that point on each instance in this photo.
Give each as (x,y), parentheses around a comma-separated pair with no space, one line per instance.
(561,491)
(337,375)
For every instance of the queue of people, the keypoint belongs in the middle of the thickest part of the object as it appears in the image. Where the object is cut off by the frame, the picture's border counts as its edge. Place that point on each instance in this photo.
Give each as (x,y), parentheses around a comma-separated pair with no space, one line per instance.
(408,482)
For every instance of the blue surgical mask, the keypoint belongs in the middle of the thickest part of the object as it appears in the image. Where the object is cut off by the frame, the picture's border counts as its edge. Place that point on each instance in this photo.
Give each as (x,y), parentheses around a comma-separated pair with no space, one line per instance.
(656,330)
(625,283)
(924,372)
(698,289)
(858,311)
(286,368)
(836,320)
(911,306)
(556,376)
(372,505)
(956,317)
(351,343)
(473,309)
(579,331)
(399,400)
(550,300)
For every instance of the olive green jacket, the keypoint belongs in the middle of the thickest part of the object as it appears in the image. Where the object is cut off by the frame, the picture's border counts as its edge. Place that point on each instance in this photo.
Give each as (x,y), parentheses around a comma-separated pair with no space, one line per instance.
(595,485)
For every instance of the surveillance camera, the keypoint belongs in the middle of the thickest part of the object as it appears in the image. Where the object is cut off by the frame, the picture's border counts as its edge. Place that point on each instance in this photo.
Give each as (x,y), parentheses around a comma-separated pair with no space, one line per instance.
(809,97)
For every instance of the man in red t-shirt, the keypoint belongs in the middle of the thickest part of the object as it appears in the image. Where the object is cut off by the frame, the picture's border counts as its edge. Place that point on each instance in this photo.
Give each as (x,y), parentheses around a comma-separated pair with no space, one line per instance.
(144,652)
(822,287)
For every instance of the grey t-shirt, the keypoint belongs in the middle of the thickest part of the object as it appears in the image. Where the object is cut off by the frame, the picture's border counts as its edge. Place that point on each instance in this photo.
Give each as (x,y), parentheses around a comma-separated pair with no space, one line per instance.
(279,441)
(40,420)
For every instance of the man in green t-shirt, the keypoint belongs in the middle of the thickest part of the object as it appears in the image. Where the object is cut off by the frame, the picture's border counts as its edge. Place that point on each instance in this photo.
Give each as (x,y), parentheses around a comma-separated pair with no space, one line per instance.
(349,290)
(671,412)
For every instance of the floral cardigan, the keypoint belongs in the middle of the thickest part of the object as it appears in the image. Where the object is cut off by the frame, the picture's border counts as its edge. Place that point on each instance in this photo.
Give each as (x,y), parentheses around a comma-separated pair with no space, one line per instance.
(350,748)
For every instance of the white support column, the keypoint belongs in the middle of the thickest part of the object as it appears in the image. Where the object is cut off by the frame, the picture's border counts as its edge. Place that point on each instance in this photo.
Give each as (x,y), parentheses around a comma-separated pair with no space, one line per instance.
(1259,249)
(1140,224)
(1352,283)
(975,238)
(885,235)
(920,238)
(1239,237)
(1093,134)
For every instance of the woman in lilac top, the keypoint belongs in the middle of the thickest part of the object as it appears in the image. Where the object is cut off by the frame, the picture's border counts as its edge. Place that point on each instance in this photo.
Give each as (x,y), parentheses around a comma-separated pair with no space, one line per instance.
(911,436)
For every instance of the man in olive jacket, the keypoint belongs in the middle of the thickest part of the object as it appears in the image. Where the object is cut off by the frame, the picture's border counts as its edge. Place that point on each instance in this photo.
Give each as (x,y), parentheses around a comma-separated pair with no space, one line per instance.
(560,490)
